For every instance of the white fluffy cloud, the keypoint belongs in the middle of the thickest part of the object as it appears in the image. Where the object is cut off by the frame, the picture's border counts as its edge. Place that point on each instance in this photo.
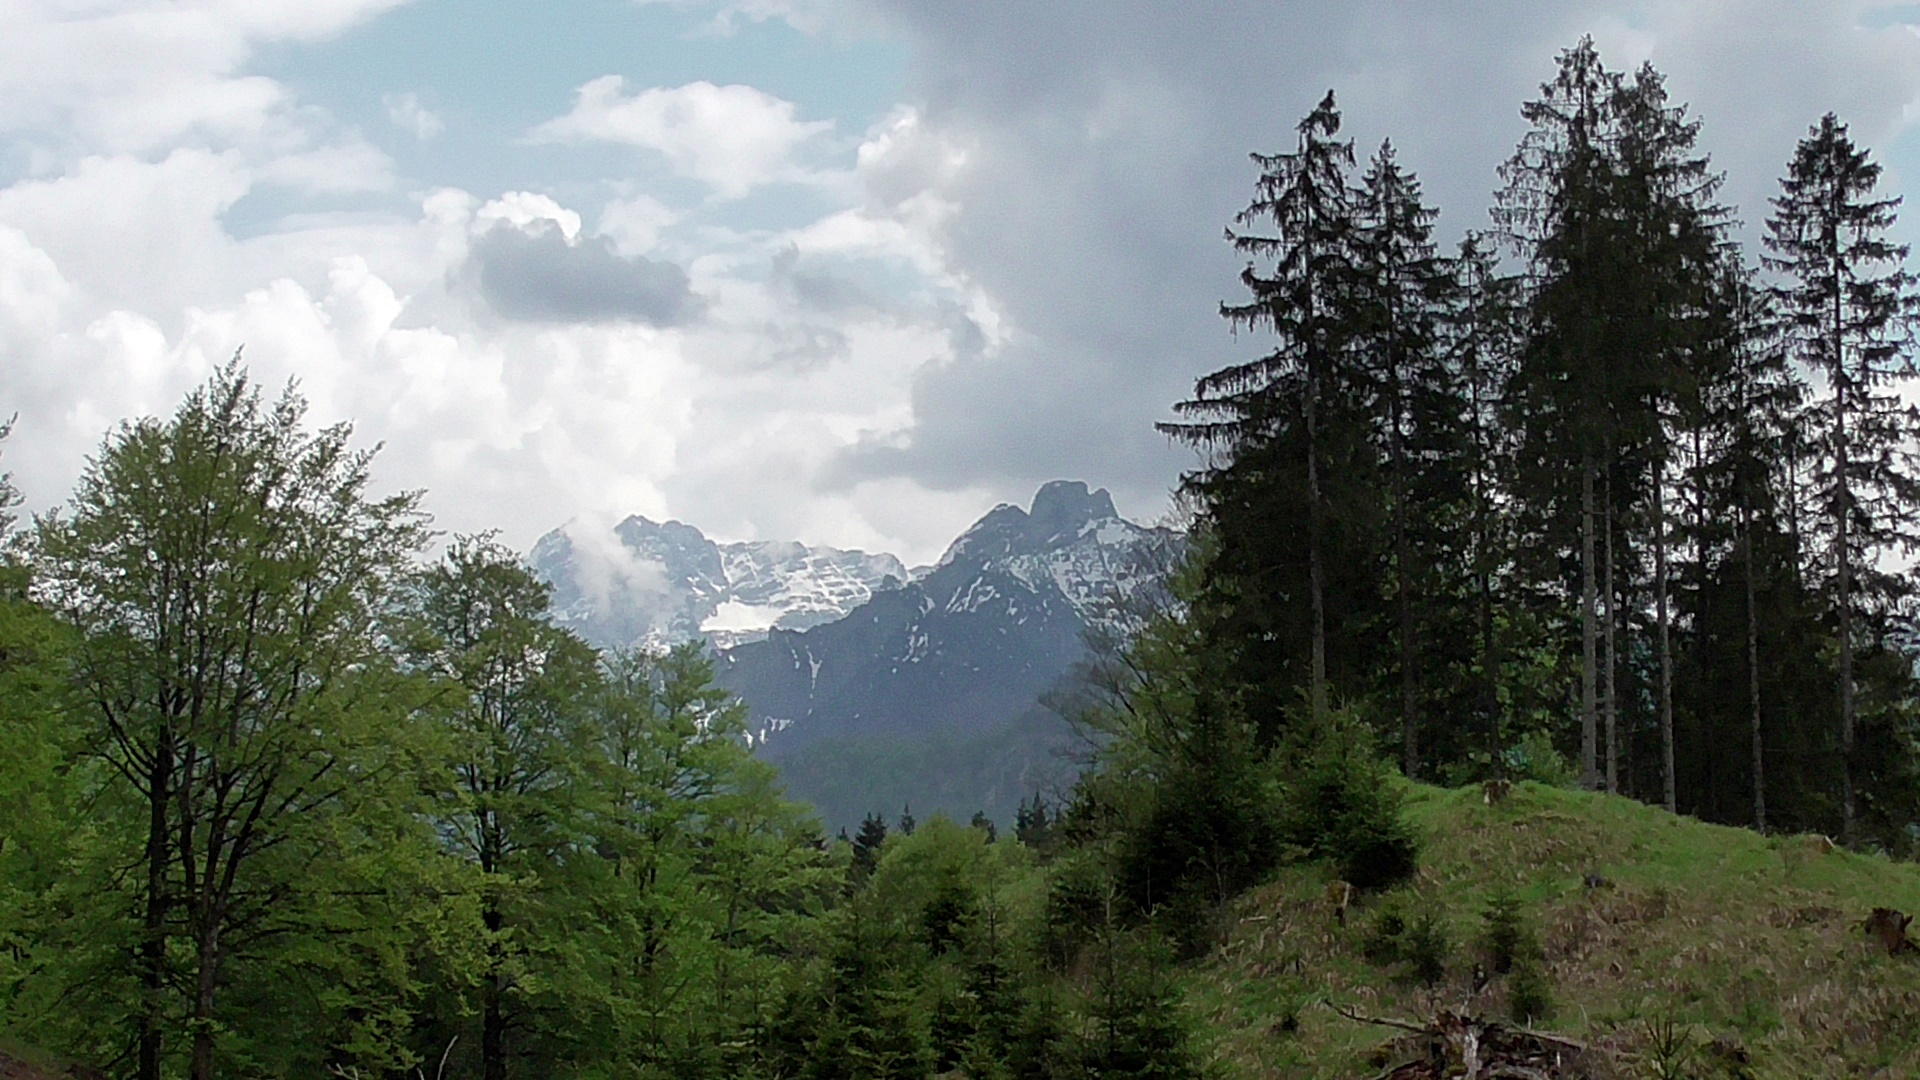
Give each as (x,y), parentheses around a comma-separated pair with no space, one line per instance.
(1006,281)
(121,287)
(733,138)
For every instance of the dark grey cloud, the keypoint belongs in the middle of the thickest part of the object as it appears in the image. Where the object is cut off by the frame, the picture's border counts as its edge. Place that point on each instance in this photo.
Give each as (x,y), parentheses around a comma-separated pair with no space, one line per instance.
(539,277)
(1107,148)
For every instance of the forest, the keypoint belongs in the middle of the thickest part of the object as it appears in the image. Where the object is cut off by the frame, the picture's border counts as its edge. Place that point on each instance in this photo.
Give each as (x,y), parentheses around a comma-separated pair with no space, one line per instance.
(293,786)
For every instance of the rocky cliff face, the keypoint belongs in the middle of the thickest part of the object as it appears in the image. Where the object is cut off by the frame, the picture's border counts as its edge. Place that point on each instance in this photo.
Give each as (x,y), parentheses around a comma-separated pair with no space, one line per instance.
(970,644)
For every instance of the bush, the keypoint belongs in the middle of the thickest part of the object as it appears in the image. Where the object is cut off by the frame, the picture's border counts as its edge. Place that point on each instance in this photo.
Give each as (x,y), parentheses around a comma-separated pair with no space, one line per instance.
(1505,936)
(1427,948)
(1534,757)
(1420,945)
(1385,937)
(1529,993)
(1198,834)
(1340,803)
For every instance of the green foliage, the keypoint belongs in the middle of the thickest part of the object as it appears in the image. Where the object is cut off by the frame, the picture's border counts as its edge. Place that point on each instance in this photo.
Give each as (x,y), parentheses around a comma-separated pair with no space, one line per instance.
(1138,1028)
(1535,758)
(1339,803)
(228,578)
(1530,993)
(1505,935)
(1420,945)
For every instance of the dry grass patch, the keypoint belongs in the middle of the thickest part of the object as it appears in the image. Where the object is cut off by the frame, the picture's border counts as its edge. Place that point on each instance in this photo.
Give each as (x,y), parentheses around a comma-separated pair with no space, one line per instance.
(1741,954)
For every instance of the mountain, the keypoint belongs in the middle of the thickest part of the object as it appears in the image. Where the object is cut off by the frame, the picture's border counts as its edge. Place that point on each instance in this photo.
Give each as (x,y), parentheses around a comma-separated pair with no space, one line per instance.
(867,684)
(971,643)
(657,583)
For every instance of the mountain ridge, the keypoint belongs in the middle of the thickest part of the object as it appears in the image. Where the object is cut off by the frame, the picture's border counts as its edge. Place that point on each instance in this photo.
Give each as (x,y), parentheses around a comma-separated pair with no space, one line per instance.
(972,643)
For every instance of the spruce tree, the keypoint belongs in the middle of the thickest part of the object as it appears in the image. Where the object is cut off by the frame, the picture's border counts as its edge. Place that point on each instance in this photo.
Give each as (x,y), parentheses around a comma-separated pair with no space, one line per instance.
(1483,332)
(1848,305)
(1613,210)
(1400,297)
(1283,401)
(1675,314)
(1551,209)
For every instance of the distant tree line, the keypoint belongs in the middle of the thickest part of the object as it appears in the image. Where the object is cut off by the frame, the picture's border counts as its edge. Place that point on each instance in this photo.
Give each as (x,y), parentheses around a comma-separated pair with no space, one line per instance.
(1593,481)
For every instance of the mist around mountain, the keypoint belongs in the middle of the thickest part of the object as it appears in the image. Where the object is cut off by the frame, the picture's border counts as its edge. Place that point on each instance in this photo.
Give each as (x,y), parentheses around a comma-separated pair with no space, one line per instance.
(660,583)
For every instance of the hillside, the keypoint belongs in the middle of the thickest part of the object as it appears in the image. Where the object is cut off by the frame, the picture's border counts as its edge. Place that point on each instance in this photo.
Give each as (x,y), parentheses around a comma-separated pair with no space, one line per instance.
(1750,945)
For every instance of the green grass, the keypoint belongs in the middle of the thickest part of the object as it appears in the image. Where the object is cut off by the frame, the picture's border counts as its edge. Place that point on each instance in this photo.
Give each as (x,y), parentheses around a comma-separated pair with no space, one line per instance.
(1752,941)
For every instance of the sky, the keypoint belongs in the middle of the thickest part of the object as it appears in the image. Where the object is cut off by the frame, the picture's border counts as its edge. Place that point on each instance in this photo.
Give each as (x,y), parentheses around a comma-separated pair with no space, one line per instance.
(842,271)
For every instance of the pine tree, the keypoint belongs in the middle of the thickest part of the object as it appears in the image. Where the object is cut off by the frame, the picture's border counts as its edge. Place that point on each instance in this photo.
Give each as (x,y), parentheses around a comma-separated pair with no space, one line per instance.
(1259,414)
(1552,210)
(1614,210)
(1746,409)
(1484,338)
(1674,315)
(1400,295)
(867,844)
(1849,306)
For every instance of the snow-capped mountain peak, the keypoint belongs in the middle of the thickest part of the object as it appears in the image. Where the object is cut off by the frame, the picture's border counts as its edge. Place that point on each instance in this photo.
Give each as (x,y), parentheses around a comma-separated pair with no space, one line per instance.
(651,583)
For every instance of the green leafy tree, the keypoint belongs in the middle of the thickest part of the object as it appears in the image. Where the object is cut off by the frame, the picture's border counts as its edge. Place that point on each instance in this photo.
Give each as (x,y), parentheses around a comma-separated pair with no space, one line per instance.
(515,691)
(227,574)
(705,878)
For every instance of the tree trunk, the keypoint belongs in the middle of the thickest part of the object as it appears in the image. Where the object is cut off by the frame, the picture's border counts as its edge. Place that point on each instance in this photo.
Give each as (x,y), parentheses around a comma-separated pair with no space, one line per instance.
(1844,558)
(1403,558)
(1496,748)
(1316,575)
(493,1019)
(1753,677)
(206,980)
(1669,788)
(1589,732)
(1612,696)
(153,942)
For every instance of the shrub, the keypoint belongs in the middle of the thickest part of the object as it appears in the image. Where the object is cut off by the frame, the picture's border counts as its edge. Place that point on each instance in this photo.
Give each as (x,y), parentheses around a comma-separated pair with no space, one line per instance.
(1505,936)
(1420,945)
(1385,937)
(1428,948)
(1529,993)
(1340,803)
(1535,757)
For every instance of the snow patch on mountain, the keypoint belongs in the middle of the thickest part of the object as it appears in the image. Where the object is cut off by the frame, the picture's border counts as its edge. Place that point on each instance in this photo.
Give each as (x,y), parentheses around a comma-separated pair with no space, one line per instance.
(652,584)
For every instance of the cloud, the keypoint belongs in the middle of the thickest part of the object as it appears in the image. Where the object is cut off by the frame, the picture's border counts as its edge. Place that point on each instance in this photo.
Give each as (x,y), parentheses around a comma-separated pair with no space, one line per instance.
(1016,274)
(132,77)
(407,114)
(733,138)
(1073,176)
(541,276)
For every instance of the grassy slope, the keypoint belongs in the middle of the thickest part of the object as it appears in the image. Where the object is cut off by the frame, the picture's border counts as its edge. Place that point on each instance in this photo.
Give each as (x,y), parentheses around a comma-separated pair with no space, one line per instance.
(1730,934)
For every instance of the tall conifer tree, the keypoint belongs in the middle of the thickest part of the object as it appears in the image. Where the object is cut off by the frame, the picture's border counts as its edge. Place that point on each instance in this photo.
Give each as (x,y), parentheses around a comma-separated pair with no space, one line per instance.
(1849,305)
(1401,298)
(1300,277)
(1551,209)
